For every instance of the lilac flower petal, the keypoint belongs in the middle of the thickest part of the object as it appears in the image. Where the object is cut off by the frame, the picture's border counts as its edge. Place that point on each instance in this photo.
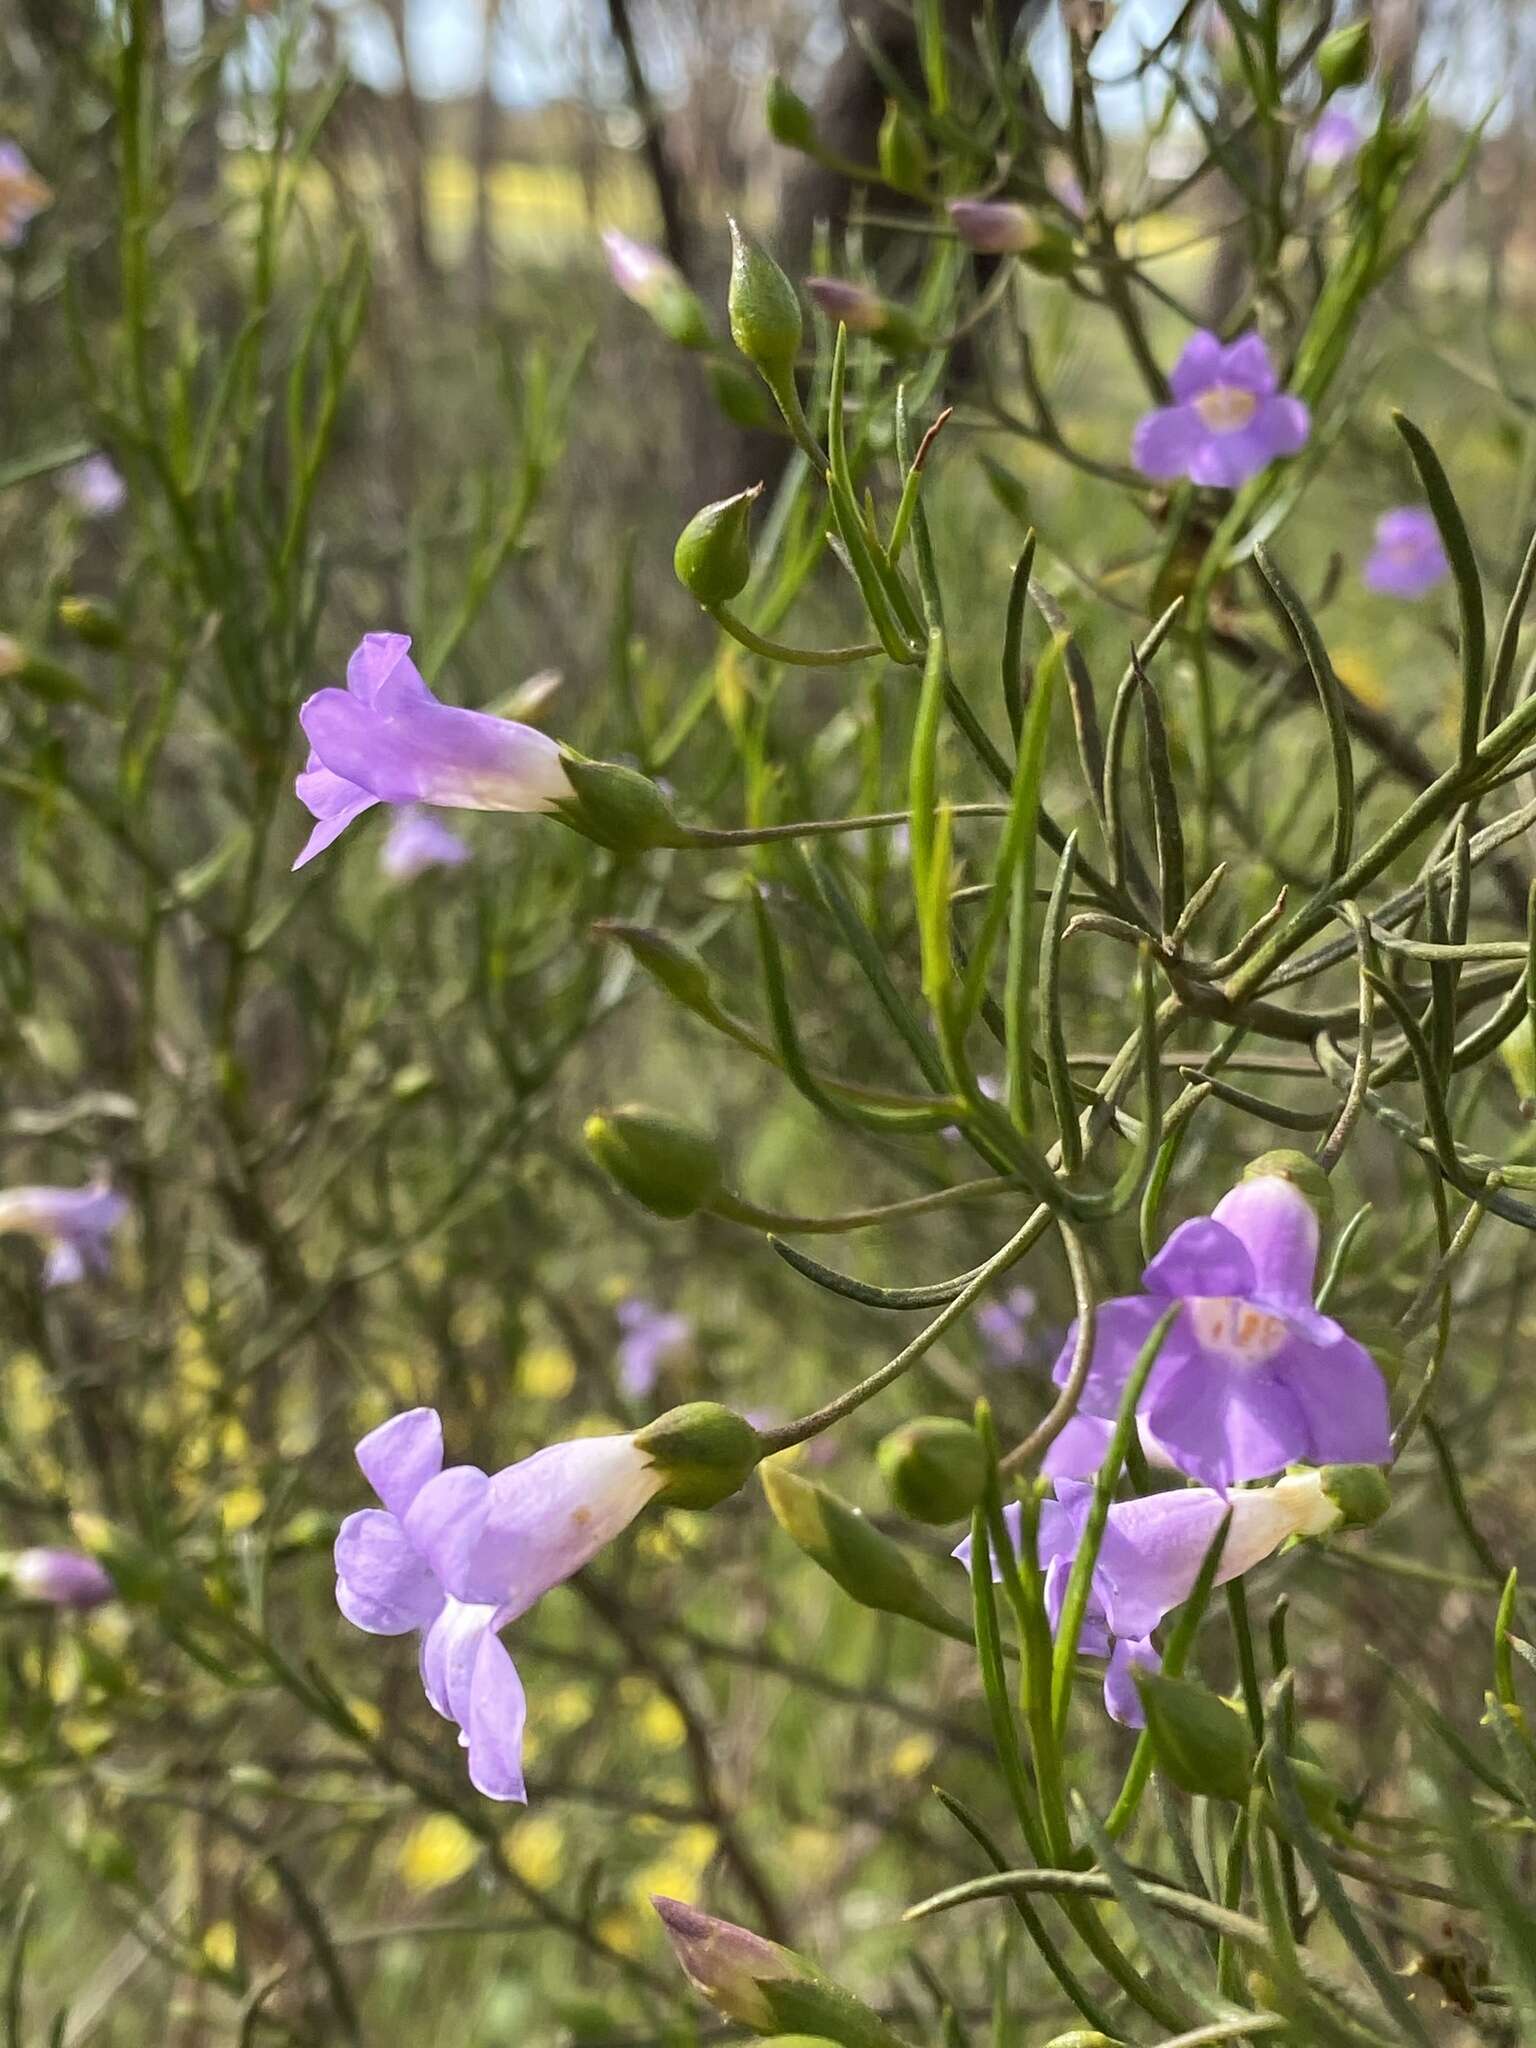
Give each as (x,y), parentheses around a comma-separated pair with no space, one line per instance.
(1277,1227)
(1167,442)
(1343,1399)
(1222,1424)
(1198,367)
(1011,1517)
(1152,1553)
(547,1516)
(449,1651)
(329,830)
(333,801)
(1122,1702)
(417,842)
(382,1586)
(401,1455)
(1201,1257)
(381,674)
(445,1522)
(1279,426)
(1080,1449)
(1093,1638)
(408,750)
(498,1709)
(64,1263)
(1409,556)
(1121,1328)
(1246,364)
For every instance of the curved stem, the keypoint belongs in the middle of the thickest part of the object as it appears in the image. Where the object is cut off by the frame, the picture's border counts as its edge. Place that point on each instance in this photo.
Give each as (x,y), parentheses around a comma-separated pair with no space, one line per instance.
(776,650)
(740,1211)
(811,828)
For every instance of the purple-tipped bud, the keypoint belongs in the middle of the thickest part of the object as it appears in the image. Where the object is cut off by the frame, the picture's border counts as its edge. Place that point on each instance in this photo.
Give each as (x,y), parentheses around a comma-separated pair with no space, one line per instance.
(59,1578)
(727,1965)
(658,287)
(997,227)
(859,309)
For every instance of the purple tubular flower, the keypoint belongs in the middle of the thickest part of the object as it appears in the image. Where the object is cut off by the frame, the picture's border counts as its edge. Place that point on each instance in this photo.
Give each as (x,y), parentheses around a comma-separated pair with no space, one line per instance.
(1409,556)
(417,842)
(1228,420)
(60,1578)
(73,1225)
(23,195)
(386,739)
(1005,1326)
(639,271)
(1150,1559)
(652,1339)
(455,1555)
(1336,136)
(97,486)
(1251,1377)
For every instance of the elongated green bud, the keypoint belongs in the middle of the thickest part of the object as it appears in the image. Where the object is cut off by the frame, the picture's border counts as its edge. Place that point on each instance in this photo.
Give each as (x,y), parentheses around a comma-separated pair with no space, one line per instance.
(670,1167)
(902,152)
(863,1561)
(729,1966)
(1344,58)
(713,556)
(741,396)
(43,678)
(706,1452)
(617,806)
(766,320)
(1083,2037)
(1199,1742)
(935,1468)
(88,619)
(677,967)
(789,119)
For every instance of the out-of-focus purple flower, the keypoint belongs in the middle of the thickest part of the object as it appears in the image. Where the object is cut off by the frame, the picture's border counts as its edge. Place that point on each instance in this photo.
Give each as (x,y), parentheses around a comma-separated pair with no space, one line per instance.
(1409,556)
(59,1578)
(1007,1327)
(655,284)
(416,842)
(1150,1558)
(73,1225)
(1336,136)
(23,195)
(1065,187)
(386,739)
(1228,420)
(995,227)
(1251,1377)
(858,309)
(455,1555)
(652,1339)
(97,486)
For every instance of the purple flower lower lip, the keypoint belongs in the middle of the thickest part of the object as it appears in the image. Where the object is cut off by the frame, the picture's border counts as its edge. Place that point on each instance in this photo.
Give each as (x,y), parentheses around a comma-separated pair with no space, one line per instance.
(1251,1377)
(60,1578)
(1336,136)
(454,1555)
(1228,420)
(1409,556)
(75,1226)
(1150,1559)
(418,842)
(23,195)
(386,739)
(652,1339)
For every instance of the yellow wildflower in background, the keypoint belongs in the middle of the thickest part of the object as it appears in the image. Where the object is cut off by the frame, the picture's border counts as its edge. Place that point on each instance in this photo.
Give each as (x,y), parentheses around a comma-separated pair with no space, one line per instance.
(535,1849)
(436,1852)
(546,1372)
(221,1944)
(241,1507)
(910,1758)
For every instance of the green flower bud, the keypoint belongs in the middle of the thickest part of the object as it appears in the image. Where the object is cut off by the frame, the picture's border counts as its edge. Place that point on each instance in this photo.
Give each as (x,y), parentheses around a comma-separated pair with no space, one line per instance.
(790,120)
(707,1453)
(45,679)
(1200,1742)
(1361,1493)
(1083,2037)
(727,1965)
(713,556)
(1304,1174)
(935,1468)
(902,153)
(671,1168)
(766,320)
(88,619)
(107,1856)
(617,806)
(863,1561)
(677,967)
(1344,58)
(1321,1794)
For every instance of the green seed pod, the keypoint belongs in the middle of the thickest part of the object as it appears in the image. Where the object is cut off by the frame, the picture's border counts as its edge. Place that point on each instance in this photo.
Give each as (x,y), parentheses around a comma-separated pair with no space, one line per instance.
(1359,1492)
(671,1168)
(766,320)
(713,555)
(1344,58)
(790,120)
(863,1561)
(1304,1174)
(617,806)
(741,397)
(676,967)
(935,1468)
(1200,1742)
(88,619)
(707,1453)
(902,153)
